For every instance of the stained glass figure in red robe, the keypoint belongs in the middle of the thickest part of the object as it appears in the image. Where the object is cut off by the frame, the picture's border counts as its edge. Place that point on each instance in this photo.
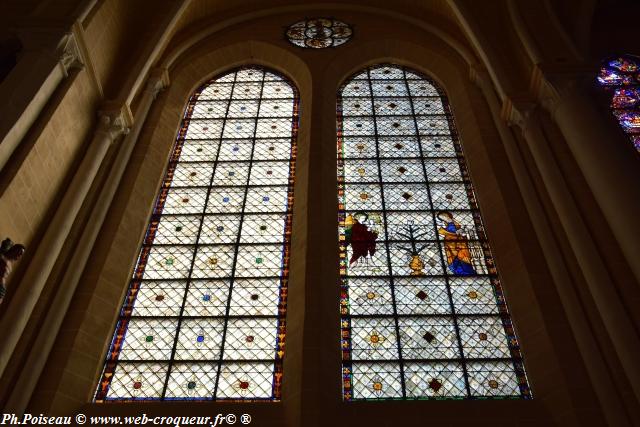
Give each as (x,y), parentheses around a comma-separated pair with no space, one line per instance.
(358,235)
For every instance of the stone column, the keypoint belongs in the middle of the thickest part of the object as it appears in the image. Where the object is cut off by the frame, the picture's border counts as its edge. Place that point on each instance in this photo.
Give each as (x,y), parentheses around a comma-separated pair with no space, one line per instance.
(606,159)
(46,337)
(45,61)
(557,267)
(111,125)
(619,326)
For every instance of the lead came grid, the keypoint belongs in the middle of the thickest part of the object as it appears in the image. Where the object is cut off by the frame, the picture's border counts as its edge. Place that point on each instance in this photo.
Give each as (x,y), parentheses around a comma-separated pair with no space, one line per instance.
(423,313)
(204,315)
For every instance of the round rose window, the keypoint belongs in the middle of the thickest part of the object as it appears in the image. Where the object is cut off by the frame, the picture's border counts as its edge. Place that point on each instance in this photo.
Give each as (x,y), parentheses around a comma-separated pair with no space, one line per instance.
(318,33)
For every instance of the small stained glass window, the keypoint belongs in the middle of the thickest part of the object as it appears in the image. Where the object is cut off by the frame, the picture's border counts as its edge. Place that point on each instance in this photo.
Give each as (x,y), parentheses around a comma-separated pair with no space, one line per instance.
(204,314)
(319,33)
(620,77)
(423,315)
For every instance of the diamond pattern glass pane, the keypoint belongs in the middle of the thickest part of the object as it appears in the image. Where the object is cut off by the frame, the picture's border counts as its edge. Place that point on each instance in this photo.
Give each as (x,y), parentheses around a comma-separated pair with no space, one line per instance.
(423,314)
(204,315)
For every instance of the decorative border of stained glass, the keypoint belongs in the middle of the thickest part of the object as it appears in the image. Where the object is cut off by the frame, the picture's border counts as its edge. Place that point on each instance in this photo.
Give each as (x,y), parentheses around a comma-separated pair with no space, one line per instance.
(620,77)
(319,33)
(423,315)
(204,315)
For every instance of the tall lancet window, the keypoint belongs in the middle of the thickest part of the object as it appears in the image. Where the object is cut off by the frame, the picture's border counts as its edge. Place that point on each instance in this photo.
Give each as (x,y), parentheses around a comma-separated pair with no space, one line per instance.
(423,312)
(204,315)
(620,77)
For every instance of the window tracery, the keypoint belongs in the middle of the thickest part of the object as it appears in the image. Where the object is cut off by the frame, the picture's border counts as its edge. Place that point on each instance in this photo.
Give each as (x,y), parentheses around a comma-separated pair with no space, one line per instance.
(319,33)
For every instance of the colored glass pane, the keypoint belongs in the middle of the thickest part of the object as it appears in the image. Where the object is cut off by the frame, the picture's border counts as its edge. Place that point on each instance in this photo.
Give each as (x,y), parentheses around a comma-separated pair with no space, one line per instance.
(423,312)
(620,78)
(204,315)
(629,120)
(623,64)
(318,33)
(625,98)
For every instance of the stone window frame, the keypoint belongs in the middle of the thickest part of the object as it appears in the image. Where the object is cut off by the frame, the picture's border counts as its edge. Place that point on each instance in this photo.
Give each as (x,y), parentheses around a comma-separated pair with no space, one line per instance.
(97,304)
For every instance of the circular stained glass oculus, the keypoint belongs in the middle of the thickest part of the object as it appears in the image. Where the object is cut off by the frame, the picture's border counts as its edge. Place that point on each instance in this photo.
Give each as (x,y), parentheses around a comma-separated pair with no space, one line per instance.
(318,33)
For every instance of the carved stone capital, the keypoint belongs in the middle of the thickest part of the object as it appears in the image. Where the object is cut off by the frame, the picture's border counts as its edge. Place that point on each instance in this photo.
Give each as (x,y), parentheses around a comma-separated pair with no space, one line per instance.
(553,85)
(517,109)
(114,121)
(58,44)
(69,53)
(158,80)
(518,112)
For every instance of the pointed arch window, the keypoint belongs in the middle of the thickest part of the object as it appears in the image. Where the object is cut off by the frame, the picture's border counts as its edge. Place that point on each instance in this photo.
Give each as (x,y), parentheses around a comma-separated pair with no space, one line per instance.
(204,315)
(620,77)
(423,312)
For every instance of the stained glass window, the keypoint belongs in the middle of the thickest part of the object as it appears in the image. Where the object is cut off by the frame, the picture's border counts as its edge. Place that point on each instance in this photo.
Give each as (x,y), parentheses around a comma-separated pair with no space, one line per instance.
(620,77)
(204,315)
(318,33)
(423,312)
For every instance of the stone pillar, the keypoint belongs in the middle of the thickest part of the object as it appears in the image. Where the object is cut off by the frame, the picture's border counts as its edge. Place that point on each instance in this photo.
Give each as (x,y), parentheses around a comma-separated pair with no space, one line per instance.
(46,337)
(45,61)
(610,308)
(574,310)
(111,125)
(606,159)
